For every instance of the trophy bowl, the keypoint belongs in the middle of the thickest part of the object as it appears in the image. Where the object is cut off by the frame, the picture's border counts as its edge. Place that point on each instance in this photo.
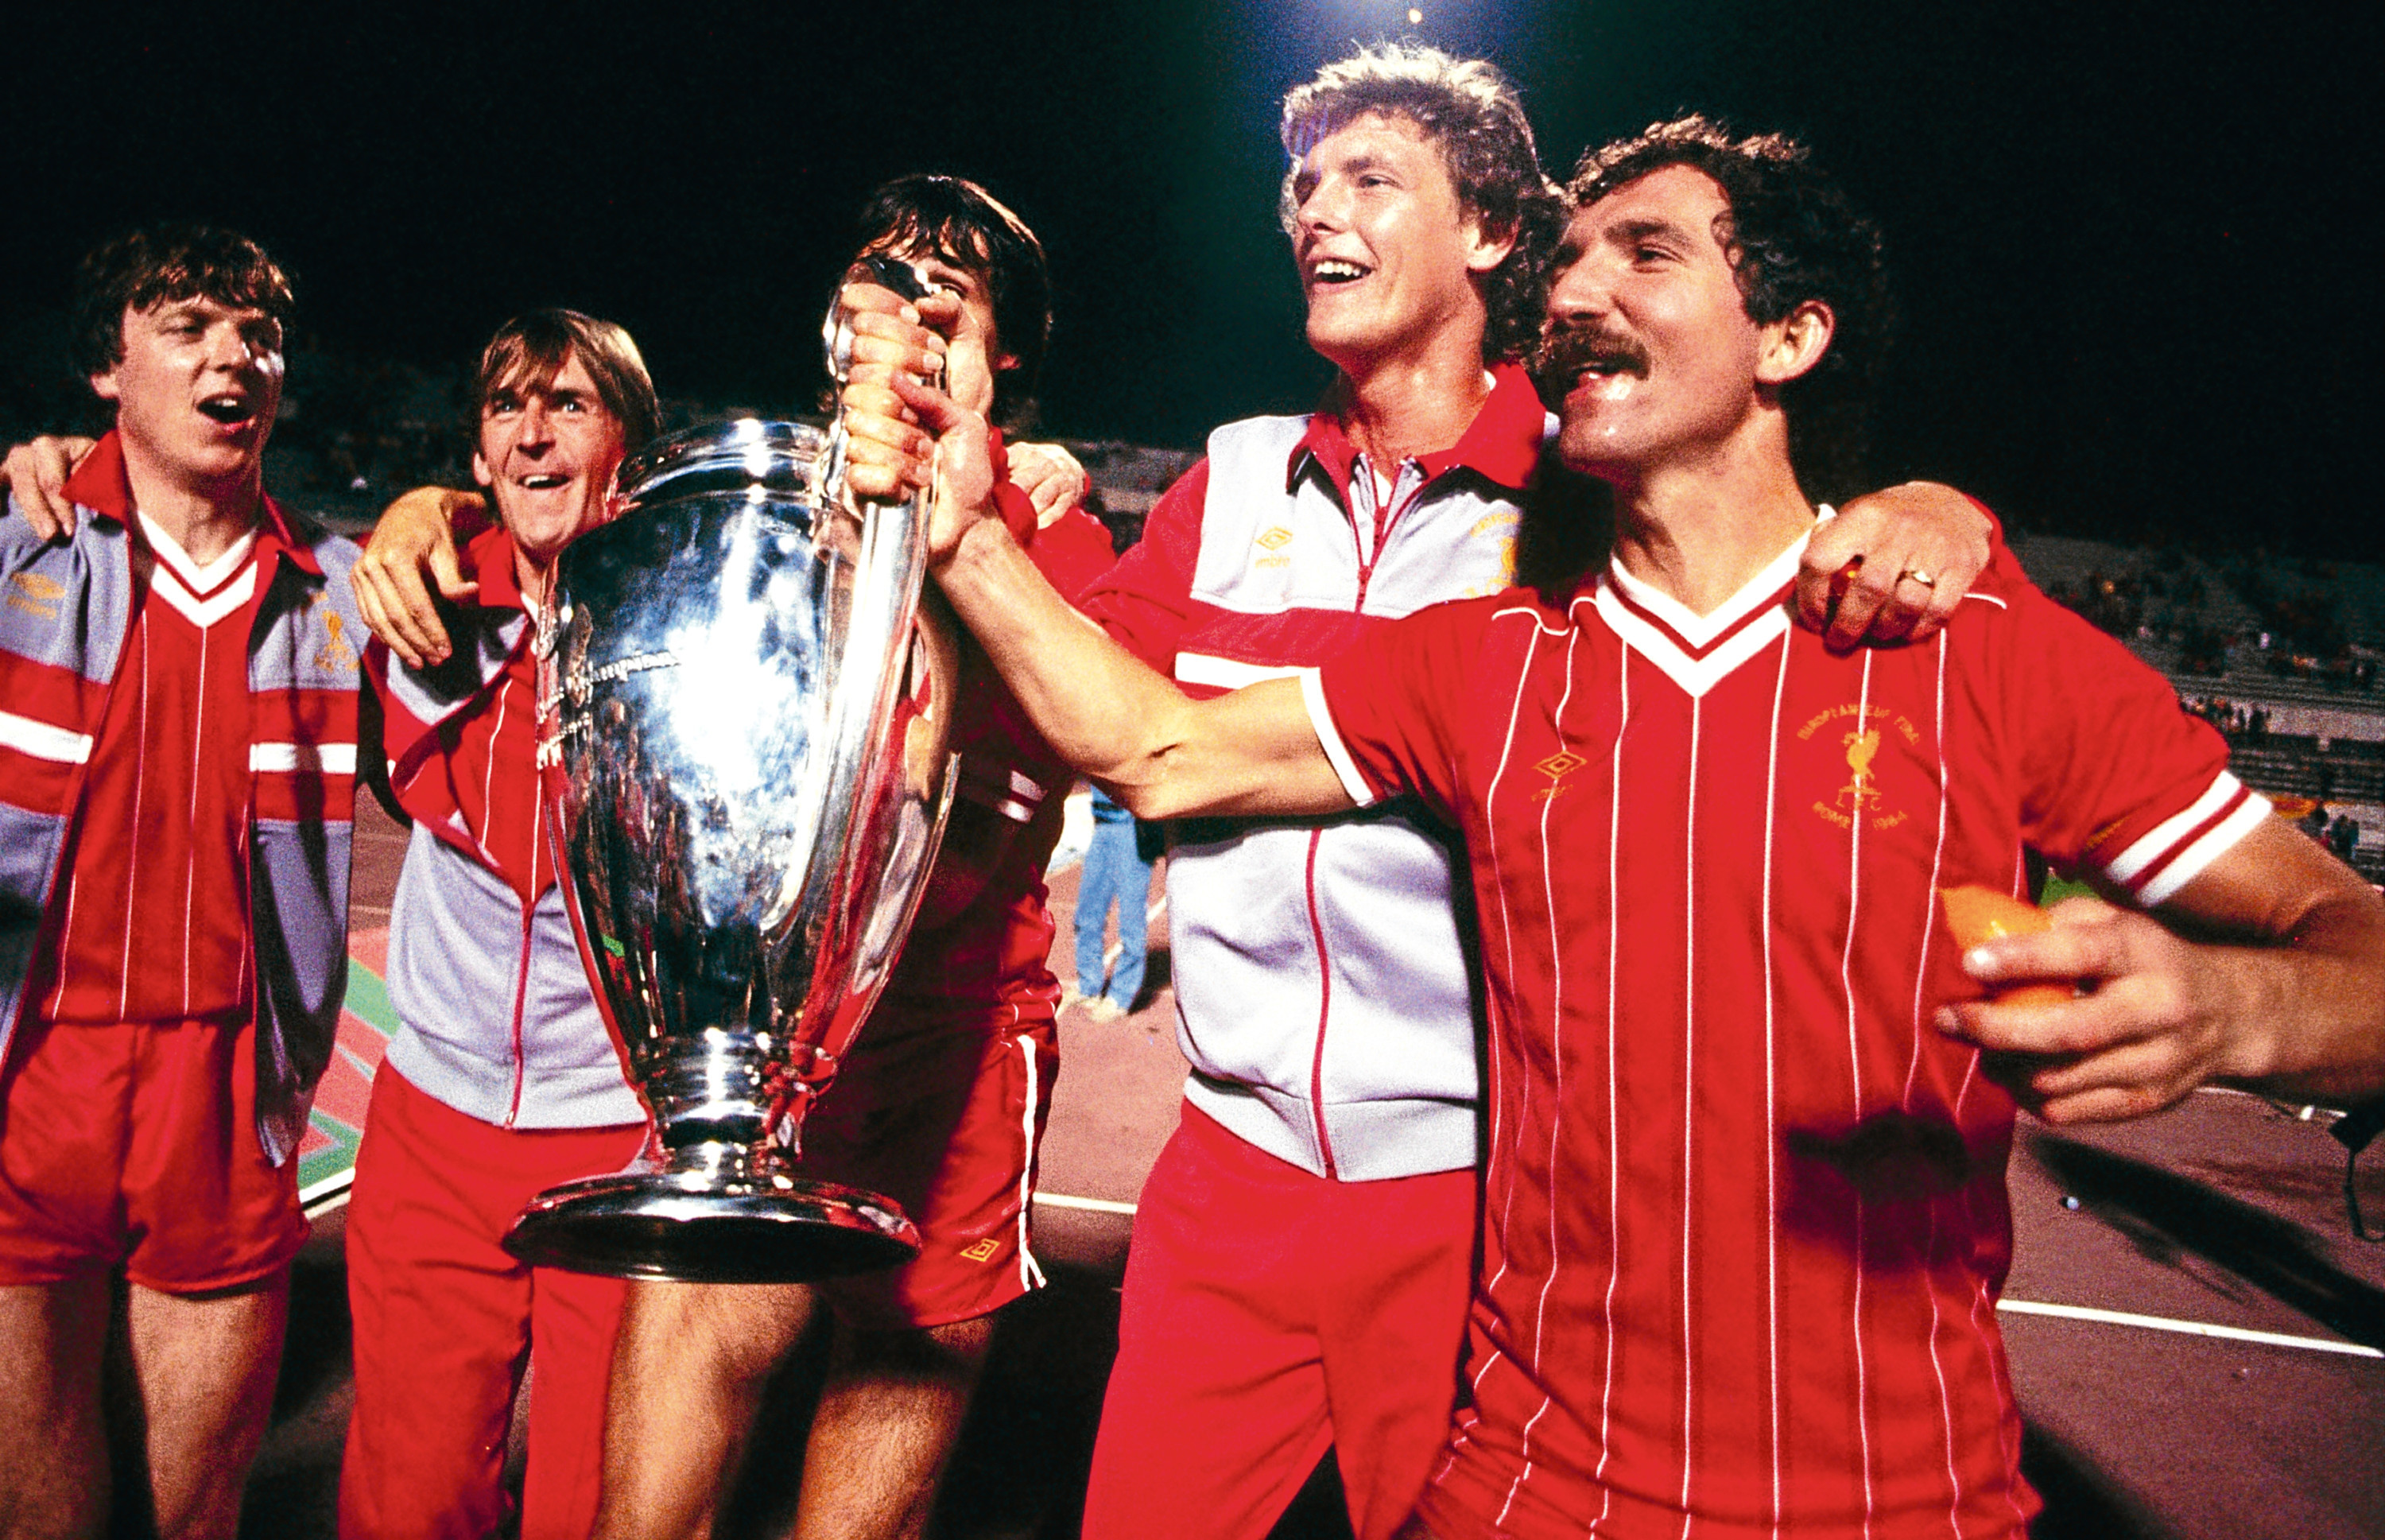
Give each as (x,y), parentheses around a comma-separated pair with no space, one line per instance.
(752,711)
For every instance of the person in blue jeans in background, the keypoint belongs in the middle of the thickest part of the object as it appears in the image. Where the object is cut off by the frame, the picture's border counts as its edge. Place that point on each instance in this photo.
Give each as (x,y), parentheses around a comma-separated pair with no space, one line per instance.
(1117,870)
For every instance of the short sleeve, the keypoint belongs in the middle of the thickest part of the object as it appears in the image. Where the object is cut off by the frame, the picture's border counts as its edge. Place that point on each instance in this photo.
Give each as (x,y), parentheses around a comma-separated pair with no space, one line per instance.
(2116,775)
(1391,709)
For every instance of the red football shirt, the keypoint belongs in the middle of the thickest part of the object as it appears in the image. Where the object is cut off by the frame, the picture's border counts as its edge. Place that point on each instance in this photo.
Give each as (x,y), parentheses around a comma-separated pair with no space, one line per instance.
(153,924)
(993,952)
(1746,1216)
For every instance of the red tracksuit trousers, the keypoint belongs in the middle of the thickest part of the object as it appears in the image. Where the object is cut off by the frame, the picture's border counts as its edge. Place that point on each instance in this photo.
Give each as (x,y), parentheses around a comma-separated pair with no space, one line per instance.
(445,1322)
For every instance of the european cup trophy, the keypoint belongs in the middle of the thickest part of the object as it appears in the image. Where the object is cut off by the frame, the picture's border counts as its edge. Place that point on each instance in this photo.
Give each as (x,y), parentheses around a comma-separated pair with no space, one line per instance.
(754,709)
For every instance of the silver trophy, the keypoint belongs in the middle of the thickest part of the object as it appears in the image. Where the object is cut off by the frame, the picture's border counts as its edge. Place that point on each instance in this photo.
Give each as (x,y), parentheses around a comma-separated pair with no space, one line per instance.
(753,723)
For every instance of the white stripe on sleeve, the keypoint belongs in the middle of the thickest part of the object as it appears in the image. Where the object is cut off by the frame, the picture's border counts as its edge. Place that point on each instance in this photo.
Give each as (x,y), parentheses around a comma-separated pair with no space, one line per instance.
(43,741)
(2192,860)
(2157,842)
(1312,694)
(2130,863)
(317,759)
(1226,674)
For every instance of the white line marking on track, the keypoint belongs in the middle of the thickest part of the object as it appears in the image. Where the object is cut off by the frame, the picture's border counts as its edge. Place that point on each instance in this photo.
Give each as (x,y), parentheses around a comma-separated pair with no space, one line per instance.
(1092,1204)
(333,1192)
(327,1195)
(2187,1328)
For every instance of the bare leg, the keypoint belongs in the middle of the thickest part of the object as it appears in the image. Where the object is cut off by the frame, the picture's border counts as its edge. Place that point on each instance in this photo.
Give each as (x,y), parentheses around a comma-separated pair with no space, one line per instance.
(888,1418)
(205,1365)
(53,1442)
(689,1369)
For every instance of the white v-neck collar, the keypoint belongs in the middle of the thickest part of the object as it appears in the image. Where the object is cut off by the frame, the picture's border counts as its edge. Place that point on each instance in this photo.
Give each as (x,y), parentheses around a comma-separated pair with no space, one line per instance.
(1698,651)
(204,594)
(198,579)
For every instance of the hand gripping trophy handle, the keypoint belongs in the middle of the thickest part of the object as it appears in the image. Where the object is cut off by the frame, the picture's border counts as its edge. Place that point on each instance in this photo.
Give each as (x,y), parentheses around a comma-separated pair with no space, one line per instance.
(752,727)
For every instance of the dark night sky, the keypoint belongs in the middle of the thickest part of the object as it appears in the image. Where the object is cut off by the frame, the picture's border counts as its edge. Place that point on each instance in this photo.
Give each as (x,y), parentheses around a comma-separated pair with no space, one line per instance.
(2132,239)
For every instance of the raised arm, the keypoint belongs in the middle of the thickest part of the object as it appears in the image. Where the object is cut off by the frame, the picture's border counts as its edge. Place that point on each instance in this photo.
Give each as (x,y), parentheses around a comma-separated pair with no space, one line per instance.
(35,472)
(413,548)
(1101,709)
(1892,565)
(2267,972)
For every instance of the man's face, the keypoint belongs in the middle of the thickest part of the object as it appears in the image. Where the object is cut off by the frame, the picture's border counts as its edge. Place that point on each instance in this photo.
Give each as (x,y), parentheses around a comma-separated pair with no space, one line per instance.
(973,354)
(196,389)
(1649,338)
(548,451)
(1387,254)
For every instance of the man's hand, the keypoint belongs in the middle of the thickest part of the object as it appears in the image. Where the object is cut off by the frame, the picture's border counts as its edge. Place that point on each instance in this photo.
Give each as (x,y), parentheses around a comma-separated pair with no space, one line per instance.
(1892,565)
(2290,1003)
(2150,1028)
(903,435)
(414,540)
(887,335)
(1049,476)
(886,331)
(37,473)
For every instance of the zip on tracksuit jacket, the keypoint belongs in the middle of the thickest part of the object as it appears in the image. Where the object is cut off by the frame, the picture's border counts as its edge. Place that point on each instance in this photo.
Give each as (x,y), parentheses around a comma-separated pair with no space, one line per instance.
(496,1015)
(1323,990)
(65,608)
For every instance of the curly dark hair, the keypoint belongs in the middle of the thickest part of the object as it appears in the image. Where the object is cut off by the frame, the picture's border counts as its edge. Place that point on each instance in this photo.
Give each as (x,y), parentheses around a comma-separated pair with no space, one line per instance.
(1792,237)
(967,226)
(1468,109)
(162,264)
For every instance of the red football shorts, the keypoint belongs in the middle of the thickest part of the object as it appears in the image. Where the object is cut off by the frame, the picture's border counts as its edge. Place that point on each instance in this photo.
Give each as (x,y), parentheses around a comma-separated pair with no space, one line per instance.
(945,1120)
(135,1146)
(1270,1315)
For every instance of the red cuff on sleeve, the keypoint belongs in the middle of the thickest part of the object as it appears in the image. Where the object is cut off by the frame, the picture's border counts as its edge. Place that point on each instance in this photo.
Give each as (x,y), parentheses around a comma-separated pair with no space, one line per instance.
(1017,512)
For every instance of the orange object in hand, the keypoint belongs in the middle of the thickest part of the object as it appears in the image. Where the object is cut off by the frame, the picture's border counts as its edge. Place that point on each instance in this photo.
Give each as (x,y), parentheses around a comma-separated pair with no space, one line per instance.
(1980,914)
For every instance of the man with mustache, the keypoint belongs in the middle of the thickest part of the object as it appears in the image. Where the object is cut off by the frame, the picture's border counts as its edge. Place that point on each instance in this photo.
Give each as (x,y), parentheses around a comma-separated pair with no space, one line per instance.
(1299,1272)
(1744,1219)
(178,689)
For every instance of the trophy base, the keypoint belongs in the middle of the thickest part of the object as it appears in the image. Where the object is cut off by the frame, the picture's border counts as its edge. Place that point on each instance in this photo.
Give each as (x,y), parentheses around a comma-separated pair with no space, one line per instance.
(690,1227)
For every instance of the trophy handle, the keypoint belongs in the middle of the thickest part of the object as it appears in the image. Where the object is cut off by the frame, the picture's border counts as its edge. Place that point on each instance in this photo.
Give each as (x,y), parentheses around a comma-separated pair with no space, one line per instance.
(836,343)
(836,328)
(883,943)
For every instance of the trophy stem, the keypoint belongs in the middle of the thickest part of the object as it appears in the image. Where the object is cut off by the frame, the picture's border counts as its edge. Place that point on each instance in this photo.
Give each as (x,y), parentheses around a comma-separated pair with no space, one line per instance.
(718,1202)
(714,1213)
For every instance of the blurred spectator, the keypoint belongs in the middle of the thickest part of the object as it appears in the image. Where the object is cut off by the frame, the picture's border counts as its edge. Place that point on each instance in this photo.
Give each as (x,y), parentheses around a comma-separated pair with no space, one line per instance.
(1117,871)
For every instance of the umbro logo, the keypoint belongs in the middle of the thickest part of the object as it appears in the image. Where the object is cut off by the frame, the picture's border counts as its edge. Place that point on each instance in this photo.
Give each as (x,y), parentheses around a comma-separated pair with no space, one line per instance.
(35,593)
(1556,766)
(984,1251)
